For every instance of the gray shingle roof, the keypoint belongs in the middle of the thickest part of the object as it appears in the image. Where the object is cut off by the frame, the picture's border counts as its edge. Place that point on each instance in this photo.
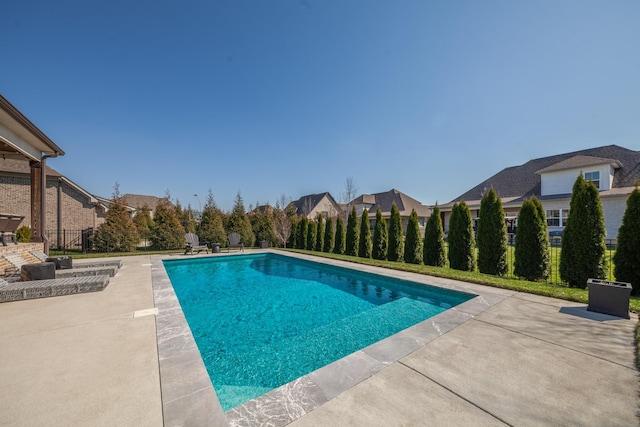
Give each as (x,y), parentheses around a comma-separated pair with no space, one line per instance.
(524,181)
(311,201)
(138,201)
(385,200)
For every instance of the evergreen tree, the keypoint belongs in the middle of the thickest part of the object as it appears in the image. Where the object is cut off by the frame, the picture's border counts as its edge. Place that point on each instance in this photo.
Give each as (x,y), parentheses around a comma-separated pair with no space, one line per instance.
(320,234)
(492,236)
(293,238)
(433,245)
(352,234)
(168,232)
(143,221)
(312,229)
(211,228)
(396,243)
(329,235)
(238,222)
(532,242)
(263,225)
(118,233)
(627,256)
(461,242)
(413,245)
(380,237)
(364,242)
(341,238)
(583,239)
(303,230)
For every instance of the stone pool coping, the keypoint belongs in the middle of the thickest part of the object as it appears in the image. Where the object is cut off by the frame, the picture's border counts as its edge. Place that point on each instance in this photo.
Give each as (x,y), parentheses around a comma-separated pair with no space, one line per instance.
(188,397)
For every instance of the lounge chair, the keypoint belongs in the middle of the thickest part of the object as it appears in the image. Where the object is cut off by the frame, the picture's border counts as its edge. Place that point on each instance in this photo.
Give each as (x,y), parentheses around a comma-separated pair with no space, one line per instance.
(234,240)
(16,291)
(17,261)
(83,264)
(8,226)
(193,244)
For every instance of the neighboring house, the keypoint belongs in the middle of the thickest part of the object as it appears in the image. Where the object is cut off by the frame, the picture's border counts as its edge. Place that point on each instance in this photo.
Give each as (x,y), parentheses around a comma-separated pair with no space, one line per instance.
(314,204)
(137,201)
(404,203)
(615,171)
(68,206)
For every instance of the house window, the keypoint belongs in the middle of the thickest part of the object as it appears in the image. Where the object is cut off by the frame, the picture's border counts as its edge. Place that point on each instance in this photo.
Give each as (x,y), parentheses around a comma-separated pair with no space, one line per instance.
(593,177)
(557,217)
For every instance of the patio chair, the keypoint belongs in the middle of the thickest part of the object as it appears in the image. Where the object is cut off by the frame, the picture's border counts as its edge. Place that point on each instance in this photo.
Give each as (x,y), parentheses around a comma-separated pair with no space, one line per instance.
(193,244)
(17,262)
(104,263)
(234,240)
(18,290)
(8,226)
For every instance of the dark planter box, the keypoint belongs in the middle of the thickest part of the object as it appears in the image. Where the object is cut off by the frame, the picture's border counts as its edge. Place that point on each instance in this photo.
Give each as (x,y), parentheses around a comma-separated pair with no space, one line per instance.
(264,244)
(61,262)
(609,297)
(40,271)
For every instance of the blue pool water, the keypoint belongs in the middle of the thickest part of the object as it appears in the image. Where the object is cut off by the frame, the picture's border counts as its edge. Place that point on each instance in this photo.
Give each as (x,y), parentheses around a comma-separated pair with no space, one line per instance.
(261,321)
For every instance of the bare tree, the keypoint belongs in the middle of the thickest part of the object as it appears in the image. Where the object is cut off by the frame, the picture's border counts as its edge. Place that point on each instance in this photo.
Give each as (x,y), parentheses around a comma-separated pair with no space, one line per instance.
(282,226)
(350,192)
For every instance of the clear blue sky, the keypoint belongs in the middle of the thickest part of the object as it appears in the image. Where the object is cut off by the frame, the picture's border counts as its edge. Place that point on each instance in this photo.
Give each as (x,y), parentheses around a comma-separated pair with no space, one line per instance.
(293,97)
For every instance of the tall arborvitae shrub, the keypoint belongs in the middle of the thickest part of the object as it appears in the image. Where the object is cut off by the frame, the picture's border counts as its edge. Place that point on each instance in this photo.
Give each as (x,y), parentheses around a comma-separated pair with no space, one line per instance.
(461,242)
(329,235)
(380,237)
(312,229)
(352,234)
(293,238)
(492,236)
(583,239)
(320,234)
(413,244)
(341,237)
(263,226)
(239,222)
(396,242)
(168,232)
(532,242)
(433,245)
(627,256)
(364,242)
(211,228)
(303,230)
(118,233)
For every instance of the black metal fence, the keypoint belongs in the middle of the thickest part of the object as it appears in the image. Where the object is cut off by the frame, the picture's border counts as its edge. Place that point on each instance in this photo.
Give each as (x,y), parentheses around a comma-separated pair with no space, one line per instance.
(82,241)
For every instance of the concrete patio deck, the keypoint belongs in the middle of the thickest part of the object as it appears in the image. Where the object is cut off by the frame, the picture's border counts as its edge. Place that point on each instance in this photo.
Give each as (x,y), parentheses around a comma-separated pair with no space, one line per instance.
(93,359)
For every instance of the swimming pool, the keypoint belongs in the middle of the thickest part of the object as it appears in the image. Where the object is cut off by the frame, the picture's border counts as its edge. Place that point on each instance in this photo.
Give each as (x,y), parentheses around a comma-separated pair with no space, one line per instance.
(261,321)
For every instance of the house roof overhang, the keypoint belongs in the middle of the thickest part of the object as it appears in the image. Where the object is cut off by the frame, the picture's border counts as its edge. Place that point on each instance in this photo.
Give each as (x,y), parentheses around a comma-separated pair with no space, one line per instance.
(579,161)
(19,138)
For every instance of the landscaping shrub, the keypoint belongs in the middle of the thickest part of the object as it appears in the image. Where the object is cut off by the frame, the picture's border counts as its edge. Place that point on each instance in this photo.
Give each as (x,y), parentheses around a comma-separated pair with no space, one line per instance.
(364,242)
(312,229)
(320,234)
(583,239)
(117,233)
(492,236)
(396,243)
(238,222)
(461,242)
(168,232)
(433,245)
(351,247)
(23,234)
(413,244)
(263,226)
(211,228)
(380,237)
(329,236)
(293,238)
(627,256)
(532,242)
(340,240)
(303,230)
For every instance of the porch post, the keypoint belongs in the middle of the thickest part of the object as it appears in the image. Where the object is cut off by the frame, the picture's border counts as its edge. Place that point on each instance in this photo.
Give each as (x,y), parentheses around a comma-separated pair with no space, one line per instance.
(38,202)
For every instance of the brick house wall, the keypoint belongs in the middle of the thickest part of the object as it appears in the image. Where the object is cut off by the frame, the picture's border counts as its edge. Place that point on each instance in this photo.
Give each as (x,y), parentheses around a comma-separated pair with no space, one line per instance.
(77,210)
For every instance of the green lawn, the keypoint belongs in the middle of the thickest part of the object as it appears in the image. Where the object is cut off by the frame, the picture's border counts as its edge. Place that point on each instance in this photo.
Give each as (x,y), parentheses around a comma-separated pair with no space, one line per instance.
(539,288)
